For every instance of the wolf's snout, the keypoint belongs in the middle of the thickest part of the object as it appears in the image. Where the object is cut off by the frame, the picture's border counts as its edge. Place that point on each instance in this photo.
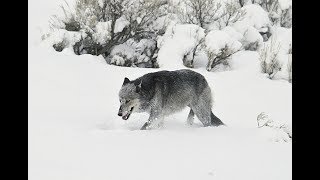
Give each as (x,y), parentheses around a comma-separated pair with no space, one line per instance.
(120,112)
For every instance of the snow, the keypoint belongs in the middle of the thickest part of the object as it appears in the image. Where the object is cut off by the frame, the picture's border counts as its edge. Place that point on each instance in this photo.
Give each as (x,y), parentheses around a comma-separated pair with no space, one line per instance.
(285,4)
(281,37)
(246,61)
(138,51)
(254,16)
(139,20)
(233,33)
(125,49)
(252,35)
(60,35)
(254,21)
(216,40)
(102,32)
(74,131)
(178,40)
(120,24)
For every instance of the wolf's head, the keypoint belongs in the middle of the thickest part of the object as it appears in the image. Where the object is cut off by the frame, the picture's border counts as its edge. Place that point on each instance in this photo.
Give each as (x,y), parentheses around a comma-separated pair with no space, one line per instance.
(129,97)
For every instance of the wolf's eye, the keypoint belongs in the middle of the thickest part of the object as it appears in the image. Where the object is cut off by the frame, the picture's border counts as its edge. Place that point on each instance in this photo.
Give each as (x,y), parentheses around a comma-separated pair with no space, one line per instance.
(127,100)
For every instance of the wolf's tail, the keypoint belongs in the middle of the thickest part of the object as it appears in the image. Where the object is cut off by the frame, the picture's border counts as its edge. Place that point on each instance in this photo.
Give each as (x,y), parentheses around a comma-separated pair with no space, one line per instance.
(215,121)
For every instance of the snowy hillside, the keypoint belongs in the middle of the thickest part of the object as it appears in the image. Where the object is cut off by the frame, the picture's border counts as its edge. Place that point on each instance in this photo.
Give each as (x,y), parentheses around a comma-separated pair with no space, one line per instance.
(75,132)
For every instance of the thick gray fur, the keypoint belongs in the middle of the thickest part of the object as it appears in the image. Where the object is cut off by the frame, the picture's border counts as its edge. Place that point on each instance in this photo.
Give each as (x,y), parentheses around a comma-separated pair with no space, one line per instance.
(166,92)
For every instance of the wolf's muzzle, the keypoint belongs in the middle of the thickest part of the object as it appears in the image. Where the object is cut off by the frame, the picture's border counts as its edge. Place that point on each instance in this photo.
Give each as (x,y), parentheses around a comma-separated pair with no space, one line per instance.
(120,112)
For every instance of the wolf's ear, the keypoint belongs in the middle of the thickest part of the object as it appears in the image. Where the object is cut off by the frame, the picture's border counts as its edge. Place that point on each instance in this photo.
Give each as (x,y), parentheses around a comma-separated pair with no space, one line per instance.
(126,81)
(138,85)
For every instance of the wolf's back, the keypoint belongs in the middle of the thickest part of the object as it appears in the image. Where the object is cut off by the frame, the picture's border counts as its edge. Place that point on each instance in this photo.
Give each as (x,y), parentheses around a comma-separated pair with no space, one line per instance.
(179,81)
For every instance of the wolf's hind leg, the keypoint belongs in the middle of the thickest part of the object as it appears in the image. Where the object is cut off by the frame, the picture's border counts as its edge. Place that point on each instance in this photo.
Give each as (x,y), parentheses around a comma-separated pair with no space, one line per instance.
(204,117)
(190,118)
(215,121)
(203,113)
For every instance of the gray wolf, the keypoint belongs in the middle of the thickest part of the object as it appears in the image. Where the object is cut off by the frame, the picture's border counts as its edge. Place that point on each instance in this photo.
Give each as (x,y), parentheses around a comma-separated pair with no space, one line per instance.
(165,92)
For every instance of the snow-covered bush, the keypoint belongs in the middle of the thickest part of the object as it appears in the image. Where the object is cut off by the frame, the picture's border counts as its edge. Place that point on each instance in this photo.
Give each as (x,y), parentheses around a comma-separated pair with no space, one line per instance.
(254,16)
(286,17)
(180,28)
(188,58)
(280,132)
(209,14)
(199,12)
(282,36)
(135,54)
(181,42)
(232,13)
(233,33)
(281,41)
(252,39)
(254,23)
(219,47)
(289,68)
(60,45)
(280,11)
(270,63)
(109,23)
(60,39)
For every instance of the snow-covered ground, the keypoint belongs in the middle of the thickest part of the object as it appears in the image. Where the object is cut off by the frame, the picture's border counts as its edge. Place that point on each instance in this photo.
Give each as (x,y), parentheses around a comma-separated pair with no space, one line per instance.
(75,133)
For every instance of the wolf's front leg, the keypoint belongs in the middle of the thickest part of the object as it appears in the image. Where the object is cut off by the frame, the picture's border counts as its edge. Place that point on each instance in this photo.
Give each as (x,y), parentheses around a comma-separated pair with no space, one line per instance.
(155,120)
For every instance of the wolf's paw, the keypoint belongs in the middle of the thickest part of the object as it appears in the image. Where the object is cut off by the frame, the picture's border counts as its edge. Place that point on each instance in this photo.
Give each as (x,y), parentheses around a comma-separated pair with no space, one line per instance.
(189,122)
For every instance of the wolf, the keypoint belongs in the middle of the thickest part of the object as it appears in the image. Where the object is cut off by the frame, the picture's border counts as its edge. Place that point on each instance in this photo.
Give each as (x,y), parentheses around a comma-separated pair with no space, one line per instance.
(163,93)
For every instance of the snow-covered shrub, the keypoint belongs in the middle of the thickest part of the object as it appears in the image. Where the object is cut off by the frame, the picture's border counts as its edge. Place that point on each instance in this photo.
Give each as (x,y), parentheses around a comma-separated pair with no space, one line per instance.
(264,120)
(280,11)
(209,14)
(219,47)
(281,132)
(270,63)
(254,23)
(282,36)
(281,41)
(199,12)
(252,39)
(61,38)
(289,68)
(108,23)
(188,58)
(232,13)
(254,16)
(60,45)
(135,54)
(233,33)
(286,17)
(181,42)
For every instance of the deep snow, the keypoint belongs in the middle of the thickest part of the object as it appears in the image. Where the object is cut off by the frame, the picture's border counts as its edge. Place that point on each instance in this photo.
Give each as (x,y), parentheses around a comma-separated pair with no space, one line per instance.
(75,133)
